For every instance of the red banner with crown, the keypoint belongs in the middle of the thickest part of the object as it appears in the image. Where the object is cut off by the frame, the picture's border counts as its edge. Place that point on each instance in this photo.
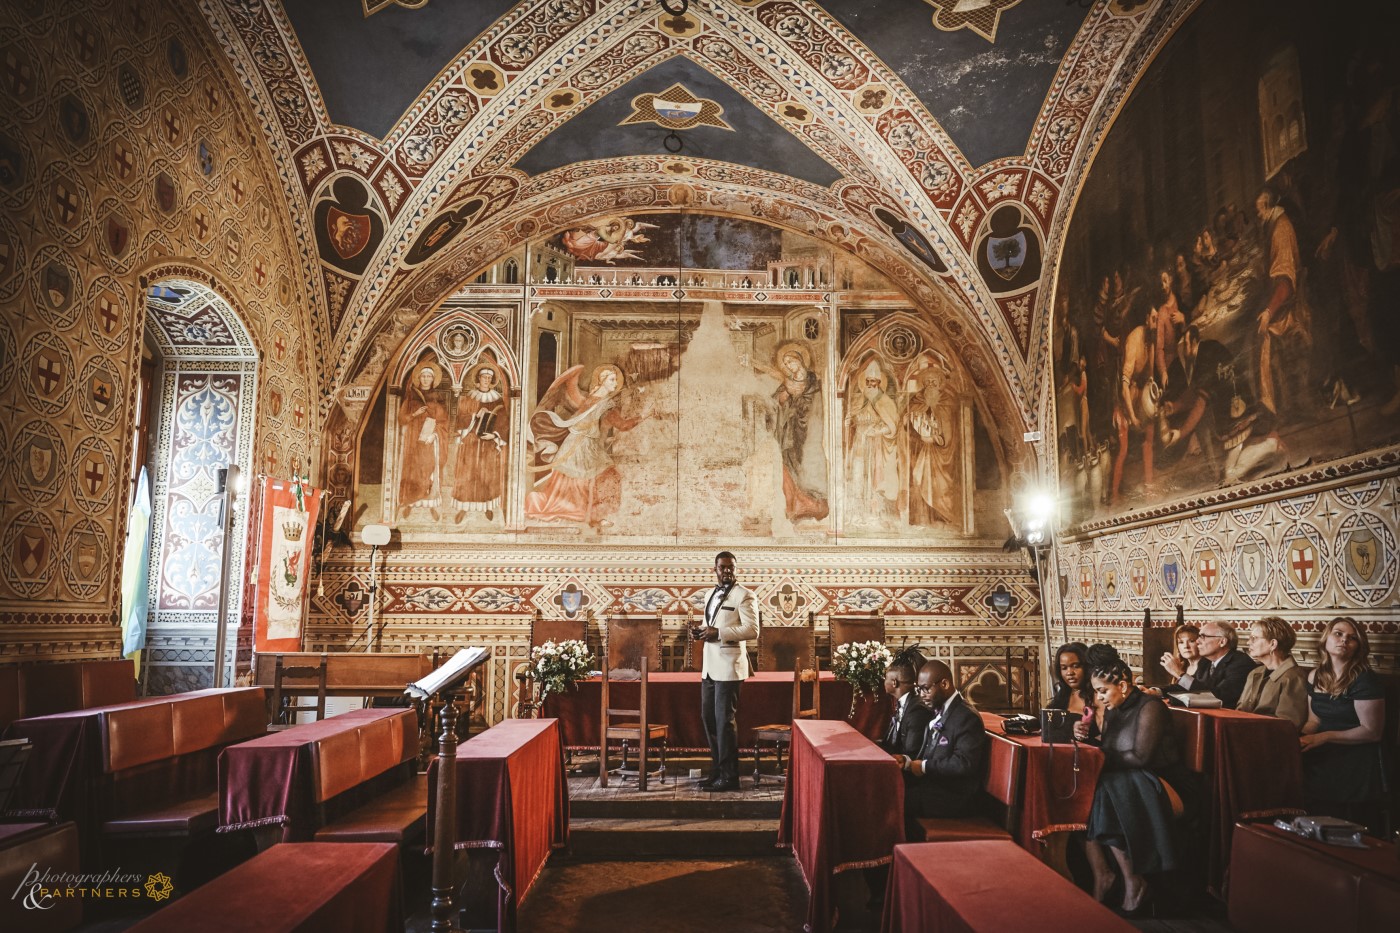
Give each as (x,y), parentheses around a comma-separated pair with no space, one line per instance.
(285,534)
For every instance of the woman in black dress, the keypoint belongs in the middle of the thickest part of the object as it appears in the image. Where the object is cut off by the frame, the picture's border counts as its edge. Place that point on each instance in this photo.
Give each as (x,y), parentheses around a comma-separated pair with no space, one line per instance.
(1072,690)
(1135,801)
(1346,714)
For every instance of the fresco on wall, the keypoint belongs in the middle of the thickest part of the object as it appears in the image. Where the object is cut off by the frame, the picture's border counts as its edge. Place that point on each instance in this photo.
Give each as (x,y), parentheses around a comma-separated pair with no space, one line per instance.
(716,403)
(1226,302)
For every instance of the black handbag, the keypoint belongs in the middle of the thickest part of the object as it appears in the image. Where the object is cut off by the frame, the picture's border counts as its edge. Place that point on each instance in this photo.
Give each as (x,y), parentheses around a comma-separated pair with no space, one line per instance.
(1056,725)
(1020,724)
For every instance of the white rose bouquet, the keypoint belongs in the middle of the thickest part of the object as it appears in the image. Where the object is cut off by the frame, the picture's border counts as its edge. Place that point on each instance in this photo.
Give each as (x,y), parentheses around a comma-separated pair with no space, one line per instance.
(559,665)
(861,664)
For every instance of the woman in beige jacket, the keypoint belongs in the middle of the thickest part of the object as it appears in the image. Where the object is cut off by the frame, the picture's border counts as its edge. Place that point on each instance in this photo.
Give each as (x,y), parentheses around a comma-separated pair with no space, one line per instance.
(1278,686)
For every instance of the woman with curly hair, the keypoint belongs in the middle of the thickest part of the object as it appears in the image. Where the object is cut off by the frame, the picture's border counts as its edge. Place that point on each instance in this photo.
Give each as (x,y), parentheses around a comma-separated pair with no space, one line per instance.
(1136,800)
(1072,690)
(1346,714)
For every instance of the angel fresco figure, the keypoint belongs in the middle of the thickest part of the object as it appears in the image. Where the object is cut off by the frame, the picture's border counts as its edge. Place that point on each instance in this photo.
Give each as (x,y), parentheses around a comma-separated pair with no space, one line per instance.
(606,239)
(572,436)
(422,444)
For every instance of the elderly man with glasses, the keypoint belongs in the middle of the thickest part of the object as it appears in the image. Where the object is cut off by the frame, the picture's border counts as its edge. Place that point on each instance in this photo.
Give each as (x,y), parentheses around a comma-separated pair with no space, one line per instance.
(1223,668)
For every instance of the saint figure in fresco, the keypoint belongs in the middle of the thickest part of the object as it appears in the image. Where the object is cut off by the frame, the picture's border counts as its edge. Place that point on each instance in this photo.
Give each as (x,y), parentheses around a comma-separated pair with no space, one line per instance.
(422,444)
(799,428)
(931,422)
(572,435)
(872,446)
(479,467)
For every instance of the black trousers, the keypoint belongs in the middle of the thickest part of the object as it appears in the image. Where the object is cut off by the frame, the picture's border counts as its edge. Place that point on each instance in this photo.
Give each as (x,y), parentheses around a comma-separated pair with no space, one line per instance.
(719,703)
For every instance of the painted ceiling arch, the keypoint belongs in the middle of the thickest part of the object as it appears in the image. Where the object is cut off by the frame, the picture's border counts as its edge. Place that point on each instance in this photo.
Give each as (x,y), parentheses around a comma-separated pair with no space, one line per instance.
(831,76)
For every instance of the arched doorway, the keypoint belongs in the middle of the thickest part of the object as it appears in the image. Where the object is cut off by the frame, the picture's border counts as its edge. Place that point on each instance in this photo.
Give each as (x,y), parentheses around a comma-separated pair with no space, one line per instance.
(198,419)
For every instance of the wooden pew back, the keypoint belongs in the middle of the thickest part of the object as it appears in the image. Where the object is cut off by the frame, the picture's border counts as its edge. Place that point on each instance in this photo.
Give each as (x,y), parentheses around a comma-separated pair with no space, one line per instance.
(378,672)
(28,690)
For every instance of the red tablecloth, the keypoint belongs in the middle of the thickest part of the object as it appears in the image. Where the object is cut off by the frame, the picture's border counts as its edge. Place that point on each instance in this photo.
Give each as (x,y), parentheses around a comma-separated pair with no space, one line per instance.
(1253,770)
(986,885)
(271,780)
(512,796)
(674,699)
(1053,799)
(1280,881)
(843,808)
(310,887)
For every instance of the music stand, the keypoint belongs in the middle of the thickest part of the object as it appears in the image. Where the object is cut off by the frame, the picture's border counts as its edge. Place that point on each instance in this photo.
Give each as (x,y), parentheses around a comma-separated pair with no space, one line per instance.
(446,680)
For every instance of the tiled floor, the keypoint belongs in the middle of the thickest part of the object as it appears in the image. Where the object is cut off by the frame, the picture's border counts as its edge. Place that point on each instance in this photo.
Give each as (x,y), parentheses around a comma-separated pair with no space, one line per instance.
(676,787)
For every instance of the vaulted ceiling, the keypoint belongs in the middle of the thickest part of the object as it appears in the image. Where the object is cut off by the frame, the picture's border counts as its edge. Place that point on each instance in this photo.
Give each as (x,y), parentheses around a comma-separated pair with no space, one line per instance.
(906,132)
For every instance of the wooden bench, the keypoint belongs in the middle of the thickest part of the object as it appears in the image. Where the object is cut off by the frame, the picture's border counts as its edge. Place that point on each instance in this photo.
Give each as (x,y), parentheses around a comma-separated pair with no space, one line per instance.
(379,674)
(366,786)
(1001,800)
(295,888)
(41,846)
(28,690)
(159,760)
(350,777)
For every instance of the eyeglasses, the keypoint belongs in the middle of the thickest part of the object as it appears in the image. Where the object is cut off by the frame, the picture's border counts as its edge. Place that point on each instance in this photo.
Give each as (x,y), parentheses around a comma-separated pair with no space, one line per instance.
(923,689)
(1205,635)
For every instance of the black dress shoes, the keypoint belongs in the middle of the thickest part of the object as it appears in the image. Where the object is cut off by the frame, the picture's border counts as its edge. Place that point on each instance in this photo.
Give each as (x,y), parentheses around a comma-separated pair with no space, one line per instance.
(721,786)
(703,783)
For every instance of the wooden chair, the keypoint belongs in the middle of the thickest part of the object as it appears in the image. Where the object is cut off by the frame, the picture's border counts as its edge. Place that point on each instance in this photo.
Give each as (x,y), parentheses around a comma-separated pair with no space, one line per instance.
(614,724)
(780,734)
(787,647)
(285,708)
(853,628)
(544,630)
(632,641)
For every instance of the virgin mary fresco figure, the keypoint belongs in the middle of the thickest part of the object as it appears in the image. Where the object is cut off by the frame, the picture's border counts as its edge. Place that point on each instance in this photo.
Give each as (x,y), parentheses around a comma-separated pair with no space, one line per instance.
(572,436)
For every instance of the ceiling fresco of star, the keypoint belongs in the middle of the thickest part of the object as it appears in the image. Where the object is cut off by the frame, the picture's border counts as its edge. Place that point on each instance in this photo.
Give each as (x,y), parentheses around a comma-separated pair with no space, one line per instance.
(985,93)
(371,69)
(754,138)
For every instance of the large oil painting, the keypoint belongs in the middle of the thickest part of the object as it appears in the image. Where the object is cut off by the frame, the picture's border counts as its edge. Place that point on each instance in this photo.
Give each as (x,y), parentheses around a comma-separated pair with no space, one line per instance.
(1227,302)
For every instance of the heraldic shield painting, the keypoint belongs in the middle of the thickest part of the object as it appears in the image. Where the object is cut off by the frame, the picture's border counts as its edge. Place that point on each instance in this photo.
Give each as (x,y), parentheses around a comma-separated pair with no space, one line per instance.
(683,378)
(1226,307)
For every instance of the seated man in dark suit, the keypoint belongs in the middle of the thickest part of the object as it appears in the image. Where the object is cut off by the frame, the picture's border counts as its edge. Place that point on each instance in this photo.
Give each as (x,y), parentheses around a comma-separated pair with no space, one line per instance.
(905,733)
(945,776)
(1223,668)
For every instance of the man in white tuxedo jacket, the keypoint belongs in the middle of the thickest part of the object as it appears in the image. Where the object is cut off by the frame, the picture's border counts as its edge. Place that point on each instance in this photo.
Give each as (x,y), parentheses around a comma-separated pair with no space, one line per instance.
(731,619)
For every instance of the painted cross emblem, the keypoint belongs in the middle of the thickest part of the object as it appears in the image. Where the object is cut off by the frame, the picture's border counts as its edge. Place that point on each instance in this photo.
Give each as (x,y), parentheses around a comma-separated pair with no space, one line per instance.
(1302,561)
(1137,574)
(65,203)
(122,159)
(170,120)
(107,312)
(48,373)
(1208,569)
(1086,582)
(94,474)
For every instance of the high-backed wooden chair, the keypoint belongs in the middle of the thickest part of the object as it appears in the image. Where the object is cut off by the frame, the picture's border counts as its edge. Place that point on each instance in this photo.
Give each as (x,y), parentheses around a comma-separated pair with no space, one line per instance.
(844,629)
(544,630)
(629,726)
(631,640)
(787,647)
(285,708)
(780,734)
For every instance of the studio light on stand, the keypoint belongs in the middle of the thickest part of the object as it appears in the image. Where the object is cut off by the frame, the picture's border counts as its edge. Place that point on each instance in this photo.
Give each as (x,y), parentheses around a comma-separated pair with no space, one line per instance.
(376,536)
(446,681)
(1032,521)
(229,485)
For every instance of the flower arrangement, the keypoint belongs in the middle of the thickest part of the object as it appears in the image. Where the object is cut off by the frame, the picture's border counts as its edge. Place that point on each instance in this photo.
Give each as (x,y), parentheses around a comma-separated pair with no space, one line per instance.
(559,665)
(861,664)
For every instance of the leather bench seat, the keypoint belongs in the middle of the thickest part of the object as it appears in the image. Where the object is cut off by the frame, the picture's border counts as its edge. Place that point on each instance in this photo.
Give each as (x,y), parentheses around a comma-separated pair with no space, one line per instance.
(159,759)
(1006,763)
(177,818)
(398,816)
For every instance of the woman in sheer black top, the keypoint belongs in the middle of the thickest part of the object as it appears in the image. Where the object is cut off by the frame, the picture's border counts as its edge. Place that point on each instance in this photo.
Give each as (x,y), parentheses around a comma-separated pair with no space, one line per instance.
(1135,802)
